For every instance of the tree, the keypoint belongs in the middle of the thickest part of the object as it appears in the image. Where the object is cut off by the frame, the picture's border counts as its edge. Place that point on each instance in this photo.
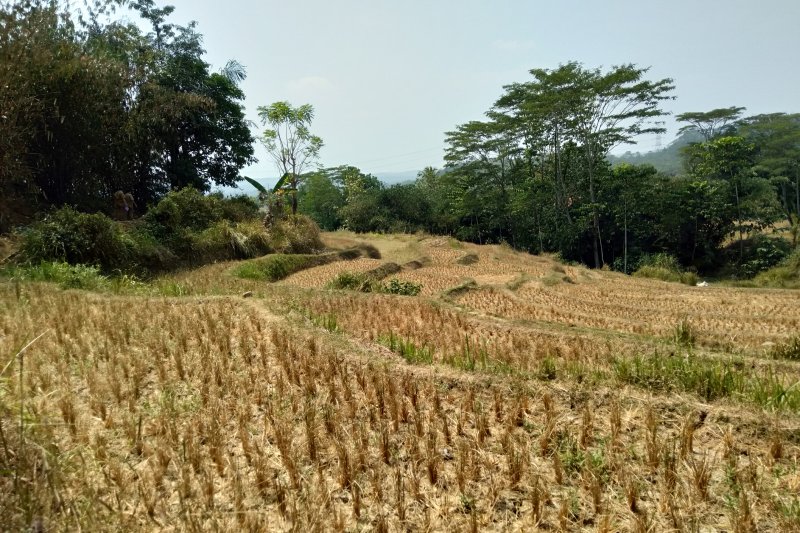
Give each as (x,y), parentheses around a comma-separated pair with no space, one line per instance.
(572,110)
(776,137)
(731,159)
(627,183)
(189,122)
(321,199)
(709,123)
(619,105)
(155,117)
(290,143)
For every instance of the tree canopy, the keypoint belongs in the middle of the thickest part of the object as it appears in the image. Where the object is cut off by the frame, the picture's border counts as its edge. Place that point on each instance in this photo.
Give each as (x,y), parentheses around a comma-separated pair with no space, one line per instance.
(96,105)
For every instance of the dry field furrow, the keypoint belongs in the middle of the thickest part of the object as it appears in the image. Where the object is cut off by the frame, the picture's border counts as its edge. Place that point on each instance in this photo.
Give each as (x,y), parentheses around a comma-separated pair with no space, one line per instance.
(527,403)
(213,413)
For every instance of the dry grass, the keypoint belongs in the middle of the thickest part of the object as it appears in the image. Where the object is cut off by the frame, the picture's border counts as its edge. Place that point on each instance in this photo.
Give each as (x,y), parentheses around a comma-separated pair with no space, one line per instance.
(209,411)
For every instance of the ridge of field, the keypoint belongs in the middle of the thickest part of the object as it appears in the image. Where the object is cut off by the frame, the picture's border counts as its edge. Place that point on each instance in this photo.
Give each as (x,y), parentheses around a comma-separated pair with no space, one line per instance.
(515,393)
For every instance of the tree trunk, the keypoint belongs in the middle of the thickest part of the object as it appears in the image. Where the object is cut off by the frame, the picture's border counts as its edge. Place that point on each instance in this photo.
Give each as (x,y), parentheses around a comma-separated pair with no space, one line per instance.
(625,242)
(598,253)
(739,219)
(560,178)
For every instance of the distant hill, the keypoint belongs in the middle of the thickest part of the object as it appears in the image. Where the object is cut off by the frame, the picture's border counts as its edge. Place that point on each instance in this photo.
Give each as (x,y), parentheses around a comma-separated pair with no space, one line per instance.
(393,178)
(667,160)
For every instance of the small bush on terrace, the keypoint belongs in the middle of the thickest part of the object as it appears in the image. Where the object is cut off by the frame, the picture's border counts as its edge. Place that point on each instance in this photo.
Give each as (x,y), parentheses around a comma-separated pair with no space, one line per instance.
(278,266)
(67,276)
(664,267)
(789,349)
(363,282)
(295,234)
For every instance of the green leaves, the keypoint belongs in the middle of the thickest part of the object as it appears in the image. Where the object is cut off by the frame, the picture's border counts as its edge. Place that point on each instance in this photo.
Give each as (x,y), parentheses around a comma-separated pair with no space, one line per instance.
(290,142)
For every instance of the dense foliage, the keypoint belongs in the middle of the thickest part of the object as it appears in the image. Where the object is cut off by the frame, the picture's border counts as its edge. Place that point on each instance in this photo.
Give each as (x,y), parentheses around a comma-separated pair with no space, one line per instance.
(91,105)
(537,175)
(184,228)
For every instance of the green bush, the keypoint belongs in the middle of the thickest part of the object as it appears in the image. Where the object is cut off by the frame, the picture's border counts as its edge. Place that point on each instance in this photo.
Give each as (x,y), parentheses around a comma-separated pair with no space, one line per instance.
(68,236)
(351,281)
(664,267)
(761,253)
(364,282)
(789,349)
(295,234)
(785,275)
(404,288)
(240,208)
(66,275)
(184,227)
(187,208)
(279,266)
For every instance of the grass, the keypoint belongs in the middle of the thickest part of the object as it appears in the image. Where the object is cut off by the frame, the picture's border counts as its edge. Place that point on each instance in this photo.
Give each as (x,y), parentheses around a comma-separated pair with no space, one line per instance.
(710,380)
(407,349)
(276,267)
(789,349)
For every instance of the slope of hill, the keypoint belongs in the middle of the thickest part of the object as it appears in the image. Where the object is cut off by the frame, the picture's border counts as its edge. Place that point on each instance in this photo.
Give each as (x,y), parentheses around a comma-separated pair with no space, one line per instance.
(667,160)
(513,393)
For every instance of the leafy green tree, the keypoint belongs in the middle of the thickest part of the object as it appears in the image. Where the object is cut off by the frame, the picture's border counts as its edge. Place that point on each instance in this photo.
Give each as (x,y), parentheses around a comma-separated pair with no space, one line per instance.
(155,116)
(731,159)
(710,123)
(321,199)
(625,185)
(290,142)
(776,137)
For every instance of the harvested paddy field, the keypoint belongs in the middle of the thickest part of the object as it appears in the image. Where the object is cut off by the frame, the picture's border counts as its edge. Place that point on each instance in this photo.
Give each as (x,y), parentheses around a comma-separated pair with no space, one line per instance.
(513,393)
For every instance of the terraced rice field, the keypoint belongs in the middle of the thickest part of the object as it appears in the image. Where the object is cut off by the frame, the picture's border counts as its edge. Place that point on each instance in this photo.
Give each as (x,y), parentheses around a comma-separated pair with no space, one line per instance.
(513,394)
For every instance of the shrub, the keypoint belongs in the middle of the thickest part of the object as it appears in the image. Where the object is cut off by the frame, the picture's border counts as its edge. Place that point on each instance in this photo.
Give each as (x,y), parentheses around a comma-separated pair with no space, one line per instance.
(364,282)
(468,259)
(760,253)
(785,275)
(68,236)
(353,282)
(295,234)
(279,266)
(404,288)
(789,349)
(185,208)
(224,241)
(66,275)
(240,208)
(664,267)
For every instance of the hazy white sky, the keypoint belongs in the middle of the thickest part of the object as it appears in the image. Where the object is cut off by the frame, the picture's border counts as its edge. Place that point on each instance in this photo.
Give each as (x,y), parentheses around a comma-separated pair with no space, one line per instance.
(388,78)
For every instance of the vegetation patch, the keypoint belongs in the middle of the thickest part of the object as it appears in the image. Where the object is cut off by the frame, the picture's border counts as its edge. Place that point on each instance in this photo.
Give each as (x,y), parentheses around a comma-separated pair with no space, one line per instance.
(666,268)
(279,266)
(789,349)
(711,380)
(364,282)
(786,275)
(468,259)
(460,289)
(407,349)
(184,228)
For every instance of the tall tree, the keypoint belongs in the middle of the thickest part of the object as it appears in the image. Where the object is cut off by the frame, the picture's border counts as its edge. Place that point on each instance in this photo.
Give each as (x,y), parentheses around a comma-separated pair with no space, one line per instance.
(593,110)
(731,159)
(776,137)
(290,142)
(709,123)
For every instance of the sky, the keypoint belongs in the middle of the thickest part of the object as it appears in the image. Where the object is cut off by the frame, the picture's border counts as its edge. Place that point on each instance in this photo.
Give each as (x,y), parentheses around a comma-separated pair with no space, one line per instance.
(387,79)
